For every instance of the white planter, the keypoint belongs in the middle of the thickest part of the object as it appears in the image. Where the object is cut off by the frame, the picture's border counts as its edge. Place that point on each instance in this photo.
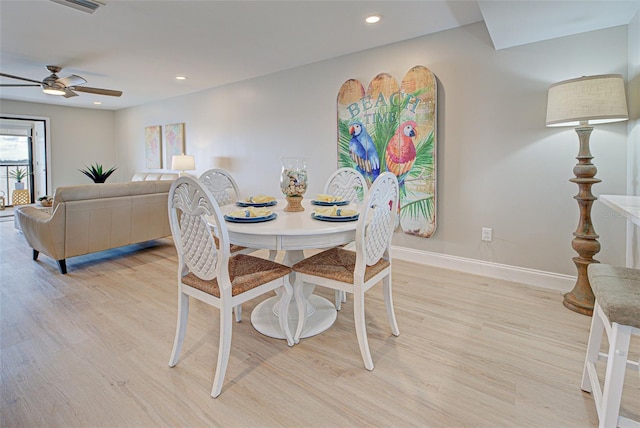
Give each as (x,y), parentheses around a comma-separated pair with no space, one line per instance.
(19,185)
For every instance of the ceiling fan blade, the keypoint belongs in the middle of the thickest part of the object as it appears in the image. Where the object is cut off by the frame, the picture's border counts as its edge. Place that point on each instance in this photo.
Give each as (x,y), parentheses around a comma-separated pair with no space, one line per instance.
(72,80)
(68,93)
(20,78)
(17,85)
(97,91)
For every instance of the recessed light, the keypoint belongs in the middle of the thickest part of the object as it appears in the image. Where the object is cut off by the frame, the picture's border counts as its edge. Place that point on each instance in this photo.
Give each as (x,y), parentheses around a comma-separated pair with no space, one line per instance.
(372,19)
(97,102)
(181,77)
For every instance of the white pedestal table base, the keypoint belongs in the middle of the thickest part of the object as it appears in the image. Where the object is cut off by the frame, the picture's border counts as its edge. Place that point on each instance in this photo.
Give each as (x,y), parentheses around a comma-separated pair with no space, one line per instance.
(266,322)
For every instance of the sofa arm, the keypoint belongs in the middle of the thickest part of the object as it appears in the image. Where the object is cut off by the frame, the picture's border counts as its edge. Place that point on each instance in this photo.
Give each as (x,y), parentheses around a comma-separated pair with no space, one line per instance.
(44,232)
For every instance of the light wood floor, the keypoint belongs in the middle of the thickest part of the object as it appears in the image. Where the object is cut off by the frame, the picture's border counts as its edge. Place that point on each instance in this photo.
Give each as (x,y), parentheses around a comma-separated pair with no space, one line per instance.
(90,349)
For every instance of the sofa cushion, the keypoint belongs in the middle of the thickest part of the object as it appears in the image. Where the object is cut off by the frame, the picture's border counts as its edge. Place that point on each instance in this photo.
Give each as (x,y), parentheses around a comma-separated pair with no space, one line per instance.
(108,190)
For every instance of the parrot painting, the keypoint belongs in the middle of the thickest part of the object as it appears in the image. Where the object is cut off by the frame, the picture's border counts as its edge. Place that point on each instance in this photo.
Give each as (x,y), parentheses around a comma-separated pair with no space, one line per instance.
(363,152)
(401,152)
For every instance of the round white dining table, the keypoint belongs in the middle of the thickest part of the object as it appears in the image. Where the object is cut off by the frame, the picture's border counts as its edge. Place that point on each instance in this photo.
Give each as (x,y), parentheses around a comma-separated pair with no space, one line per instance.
(292,232)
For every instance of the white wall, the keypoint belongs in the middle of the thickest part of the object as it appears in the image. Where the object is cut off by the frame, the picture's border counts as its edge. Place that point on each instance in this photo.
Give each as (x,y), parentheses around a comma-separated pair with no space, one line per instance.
(633,127)
(78,136)
(499,166)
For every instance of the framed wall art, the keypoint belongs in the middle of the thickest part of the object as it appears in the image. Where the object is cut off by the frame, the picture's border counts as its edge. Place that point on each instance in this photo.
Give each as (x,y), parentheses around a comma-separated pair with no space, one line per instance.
(173,140)
(391,126)
(153,146)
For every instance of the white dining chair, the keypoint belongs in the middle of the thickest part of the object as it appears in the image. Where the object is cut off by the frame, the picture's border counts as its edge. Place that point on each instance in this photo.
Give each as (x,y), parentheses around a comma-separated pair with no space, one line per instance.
(207,272)
(352,186)
(221,185)
(348,183)
(225,191)
(356,272)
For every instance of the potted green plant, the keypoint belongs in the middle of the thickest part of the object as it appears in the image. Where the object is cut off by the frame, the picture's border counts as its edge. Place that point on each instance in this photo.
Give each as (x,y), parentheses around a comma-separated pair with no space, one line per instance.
(96,173)
(18,174)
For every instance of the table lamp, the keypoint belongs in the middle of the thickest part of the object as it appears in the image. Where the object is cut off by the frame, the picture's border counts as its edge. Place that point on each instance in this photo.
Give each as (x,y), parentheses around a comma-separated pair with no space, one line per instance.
(583,102)
(183,163)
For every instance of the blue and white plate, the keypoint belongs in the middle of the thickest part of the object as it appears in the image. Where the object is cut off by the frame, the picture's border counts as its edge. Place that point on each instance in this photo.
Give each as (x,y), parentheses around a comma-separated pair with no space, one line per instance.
(256,204)
(330,204)
(251,219)
(336,218)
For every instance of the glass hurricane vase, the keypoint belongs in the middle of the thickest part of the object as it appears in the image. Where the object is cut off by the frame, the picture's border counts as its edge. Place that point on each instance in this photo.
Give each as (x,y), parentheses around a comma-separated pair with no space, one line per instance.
(293,182)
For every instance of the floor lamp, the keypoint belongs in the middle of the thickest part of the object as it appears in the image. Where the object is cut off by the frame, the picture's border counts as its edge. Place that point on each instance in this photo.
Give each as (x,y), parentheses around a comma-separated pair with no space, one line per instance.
(583,102)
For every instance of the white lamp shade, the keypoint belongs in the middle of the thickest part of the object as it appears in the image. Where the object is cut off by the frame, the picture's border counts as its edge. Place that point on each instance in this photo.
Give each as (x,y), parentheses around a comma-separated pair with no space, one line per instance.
(589,99)
(183,163)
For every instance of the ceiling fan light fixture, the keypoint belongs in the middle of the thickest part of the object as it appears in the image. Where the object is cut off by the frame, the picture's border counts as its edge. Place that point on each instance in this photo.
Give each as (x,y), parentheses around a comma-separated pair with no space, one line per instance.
(53,91)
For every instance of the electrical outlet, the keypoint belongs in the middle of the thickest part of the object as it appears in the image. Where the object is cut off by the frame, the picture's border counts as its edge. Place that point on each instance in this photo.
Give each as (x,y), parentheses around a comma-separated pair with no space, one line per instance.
(487,234)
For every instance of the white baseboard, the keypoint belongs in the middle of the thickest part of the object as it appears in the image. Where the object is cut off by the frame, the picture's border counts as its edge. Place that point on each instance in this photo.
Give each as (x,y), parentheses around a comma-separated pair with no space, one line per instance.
(537,278)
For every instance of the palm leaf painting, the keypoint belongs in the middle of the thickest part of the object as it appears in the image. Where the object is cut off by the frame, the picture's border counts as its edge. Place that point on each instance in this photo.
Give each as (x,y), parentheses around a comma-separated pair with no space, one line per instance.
(400,123)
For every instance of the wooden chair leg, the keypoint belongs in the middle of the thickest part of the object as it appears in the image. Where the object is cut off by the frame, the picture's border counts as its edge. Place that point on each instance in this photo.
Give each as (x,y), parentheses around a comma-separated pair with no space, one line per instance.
(224,349)
(593,348)
(361,328)
(614,375)
(283,311)
(181,327)
(388,301)
(298,290)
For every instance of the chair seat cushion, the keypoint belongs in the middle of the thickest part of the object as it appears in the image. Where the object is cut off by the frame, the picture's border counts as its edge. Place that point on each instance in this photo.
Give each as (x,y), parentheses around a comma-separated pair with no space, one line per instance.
(246,272)
(337,264)
(617,291)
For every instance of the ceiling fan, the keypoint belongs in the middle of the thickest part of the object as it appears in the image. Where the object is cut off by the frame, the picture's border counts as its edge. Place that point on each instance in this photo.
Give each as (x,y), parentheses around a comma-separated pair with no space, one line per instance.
(65,86)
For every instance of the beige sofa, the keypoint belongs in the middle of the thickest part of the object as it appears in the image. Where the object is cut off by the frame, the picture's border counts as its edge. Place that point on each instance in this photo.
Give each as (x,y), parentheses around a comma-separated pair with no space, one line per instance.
(96,217)
(149,176)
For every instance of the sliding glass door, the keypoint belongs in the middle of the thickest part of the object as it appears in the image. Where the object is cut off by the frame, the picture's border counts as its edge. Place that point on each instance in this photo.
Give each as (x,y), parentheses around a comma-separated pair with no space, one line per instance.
(23,160)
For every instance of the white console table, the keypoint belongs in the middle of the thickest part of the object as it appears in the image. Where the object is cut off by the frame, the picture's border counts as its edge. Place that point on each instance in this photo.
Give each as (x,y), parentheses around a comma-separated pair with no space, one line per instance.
(629,207)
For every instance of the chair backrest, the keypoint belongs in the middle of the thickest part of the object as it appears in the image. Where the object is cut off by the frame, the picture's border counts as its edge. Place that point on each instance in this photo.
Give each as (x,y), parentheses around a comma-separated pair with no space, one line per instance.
(191,207)
(348,183)
(221,185)
(377,221)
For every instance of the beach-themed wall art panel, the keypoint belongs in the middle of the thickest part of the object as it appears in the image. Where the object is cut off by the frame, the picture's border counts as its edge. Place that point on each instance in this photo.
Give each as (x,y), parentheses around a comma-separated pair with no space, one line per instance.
(174,140)
(392,127)
(153,146)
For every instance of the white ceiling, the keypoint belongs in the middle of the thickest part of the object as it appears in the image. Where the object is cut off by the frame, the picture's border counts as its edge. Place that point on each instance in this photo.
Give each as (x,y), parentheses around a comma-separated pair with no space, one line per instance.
(140,46)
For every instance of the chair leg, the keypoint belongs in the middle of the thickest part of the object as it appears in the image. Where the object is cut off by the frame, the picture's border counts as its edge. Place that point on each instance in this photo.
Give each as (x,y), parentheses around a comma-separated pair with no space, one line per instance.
(361,328)
(224,349)
(298,290)
(388,301)
(339,300)
(593,348)
(35,254)
(283,311)
(614,375)
(238,312)
(181,327)
(62,265)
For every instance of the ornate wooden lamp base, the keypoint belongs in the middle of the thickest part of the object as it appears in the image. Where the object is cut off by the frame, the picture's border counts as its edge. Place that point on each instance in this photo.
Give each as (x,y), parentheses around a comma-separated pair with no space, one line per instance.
(294,204)
(585,241)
